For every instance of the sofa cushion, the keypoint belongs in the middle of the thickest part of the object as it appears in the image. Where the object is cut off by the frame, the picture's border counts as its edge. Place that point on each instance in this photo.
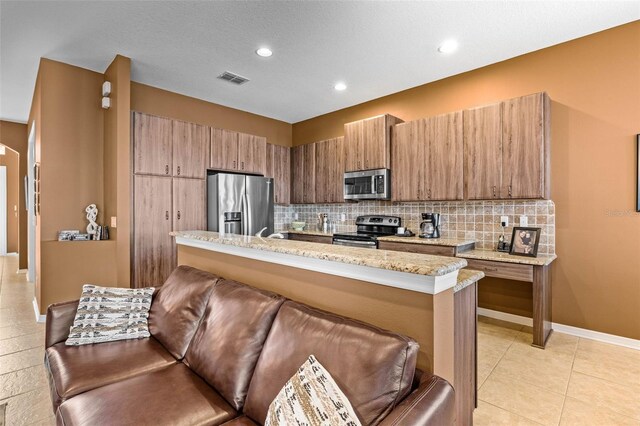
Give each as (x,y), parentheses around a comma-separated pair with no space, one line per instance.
(171,396)
(178,307)
(226,346)
(77,369)
(241,421)
(373,367)
(107,314)
(311,397)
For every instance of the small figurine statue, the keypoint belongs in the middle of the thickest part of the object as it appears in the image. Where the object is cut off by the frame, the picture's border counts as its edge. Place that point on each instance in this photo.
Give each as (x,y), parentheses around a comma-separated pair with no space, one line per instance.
(92,215)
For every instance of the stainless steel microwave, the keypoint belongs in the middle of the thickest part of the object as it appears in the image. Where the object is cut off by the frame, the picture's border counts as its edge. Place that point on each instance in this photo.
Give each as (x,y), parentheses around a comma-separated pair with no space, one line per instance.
(367,185)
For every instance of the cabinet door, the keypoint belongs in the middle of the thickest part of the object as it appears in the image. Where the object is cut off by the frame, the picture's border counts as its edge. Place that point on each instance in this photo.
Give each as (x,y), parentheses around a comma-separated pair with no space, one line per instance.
(337,172)
(376,136)
(190,149)
(224,149)
(407,170)
(278,167)
(189,205)
(444,179)
(309,168)
(353,146)
(152,145)
(297,174)
(483,152)
(323,175)
(523,147)
(153,252)
(252,153)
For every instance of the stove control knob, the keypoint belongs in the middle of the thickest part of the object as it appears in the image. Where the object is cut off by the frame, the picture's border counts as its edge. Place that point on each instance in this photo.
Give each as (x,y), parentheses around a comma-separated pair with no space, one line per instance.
(395,220)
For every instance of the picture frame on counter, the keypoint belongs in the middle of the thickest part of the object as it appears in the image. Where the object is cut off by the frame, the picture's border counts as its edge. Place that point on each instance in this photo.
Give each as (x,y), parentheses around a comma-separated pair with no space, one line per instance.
(525,241)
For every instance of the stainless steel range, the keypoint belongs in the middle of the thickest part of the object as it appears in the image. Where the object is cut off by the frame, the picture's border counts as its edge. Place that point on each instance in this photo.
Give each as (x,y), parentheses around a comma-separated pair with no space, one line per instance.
(369,228)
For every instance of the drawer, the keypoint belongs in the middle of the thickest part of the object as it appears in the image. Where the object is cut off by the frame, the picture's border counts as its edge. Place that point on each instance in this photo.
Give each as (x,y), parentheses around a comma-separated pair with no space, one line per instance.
(510,271)
(311,238)
(417,248)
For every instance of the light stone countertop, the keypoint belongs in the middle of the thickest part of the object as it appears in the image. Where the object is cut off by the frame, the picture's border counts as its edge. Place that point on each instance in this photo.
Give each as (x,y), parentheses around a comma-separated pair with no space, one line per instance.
(412,263)
(496,256)
(466,277)
(449,242)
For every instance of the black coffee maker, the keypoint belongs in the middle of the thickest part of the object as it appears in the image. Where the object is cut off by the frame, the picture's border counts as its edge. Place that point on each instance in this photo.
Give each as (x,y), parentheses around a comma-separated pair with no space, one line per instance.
(430,226)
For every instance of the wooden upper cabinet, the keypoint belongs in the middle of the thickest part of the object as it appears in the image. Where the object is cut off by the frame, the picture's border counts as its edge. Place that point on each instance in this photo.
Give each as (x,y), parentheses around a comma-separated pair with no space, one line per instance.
(190,149)
(278,167)
(525,147)
(483,152)
(189,205)
(444,158)
(408,157)
(252,153)
(152,145)
(224,149)
(367,143)
(303,174)
(329,175)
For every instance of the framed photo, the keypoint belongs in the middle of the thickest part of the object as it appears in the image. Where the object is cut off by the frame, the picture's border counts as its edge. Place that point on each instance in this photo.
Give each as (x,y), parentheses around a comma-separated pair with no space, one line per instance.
(524,241)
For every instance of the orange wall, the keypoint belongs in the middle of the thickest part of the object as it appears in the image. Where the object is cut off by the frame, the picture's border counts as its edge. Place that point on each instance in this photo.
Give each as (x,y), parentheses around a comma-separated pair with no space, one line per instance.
(152,100)
(594,84)
(15,136)
(11,160)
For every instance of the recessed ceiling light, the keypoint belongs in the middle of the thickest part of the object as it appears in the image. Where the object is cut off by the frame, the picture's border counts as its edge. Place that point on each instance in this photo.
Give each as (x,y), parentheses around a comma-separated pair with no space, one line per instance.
(448,46)
(340,86)
(265,52)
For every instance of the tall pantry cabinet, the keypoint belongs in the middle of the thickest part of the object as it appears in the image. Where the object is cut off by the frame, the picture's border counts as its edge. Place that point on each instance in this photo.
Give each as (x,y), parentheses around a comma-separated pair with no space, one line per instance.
(169,191)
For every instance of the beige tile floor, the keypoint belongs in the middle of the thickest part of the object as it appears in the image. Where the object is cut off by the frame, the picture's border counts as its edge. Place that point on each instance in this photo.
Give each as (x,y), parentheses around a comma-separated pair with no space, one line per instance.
(24,392)
(573,382)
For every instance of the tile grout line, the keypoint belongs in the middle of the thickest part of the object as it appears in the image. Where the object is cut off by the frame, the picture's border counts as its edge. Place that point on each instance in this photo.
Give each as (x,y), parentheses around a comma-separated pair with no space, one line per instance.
(510,412)
(566,390)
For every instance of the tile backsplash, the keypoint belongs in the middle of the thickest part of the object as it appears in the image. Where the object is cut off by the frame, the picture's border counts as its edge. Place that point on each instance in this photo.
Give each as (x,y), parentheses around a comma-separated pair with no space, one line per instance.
(477,220)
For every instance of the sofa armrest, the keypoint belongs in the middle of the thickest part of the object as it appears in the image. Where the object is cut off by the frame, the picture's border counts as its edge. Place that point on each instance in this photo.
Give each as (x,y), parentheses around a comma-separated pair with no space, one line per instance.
(59,320)
(432,403)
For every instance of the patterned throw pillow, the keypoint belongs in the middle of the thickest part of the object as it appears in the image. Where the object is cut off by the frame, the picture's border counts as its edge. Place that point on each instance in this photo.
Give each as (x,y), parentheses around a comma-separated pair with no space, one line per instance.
(311,397)
(106,314)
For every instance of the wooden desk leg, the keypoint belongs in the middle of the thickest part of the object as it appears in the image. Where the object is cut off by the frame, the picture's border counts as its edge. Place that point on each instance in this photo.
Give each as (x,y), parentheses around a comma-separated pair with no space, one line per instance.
(541,305)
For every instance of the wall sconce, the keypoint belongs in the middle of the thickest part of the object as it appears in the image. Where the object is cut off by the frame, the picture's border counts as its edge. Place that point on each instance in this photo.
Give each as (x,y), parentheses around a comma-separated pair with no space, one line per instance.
(106,91)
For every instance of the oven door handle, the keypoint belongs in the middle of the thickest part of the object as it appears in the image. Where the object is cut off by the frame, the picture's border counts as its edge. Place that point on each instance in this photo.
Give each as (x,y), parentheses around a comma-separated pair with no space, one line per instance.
(339,241)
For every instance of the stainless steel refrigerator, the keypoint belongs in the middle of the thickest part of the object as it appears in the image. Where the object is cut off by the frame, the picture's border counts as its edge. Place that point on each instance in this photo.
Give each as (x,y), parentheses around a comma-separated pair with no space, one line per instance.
(239,204)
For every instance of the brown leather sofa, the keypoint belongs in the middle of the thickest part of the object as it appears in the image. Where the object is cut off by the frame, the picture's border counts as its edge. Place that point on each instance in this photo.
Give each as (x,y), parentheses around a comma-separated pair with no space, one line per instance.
(220,352)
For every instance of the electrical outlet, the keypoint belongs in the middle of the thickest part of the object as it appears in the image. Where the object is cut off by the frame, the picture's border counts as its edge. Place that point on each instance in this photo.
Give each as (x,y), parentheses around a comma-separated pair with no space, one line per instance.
(114,222)
(524,220)
(295,216)
(343,217)
(504,221)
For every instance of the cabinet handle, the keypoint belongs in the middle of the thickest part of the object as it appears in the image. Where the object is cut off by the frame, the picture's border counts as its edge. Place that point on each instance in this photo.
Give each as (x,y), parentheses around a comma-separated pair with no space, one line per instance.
(510,191)
(429,193)
(166,215)
(178,170)
(242,167)
(166,169)
(494,191)
(178,214)
(234,164)
(276,198)
(489,269)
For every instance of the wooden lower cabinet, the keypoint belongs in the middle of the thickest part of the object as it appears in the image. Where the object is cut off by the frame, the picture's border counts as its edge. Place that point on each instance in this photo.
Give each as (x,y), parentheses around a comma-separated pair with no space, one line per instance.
(417,248)
(153,253)
(466,353)
(311,238)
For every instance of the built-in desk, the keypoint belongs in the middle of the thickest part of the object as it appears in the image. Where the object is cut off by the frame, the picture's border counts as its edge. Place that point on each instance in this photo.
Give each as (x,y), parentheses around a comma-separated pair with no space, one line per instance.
(536,270)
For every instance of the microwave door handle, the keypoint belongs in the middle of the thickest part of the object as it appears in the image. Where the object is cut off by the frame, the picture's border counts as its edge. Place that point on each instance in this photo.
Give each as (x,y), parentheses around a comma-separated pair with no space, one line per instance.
(373,184)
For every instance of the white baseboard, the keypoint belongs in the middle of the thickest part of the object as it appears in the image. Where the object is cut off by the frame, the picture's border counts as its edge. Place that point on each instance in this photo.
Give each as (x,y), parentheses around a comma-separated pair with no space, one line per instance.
(36,310)
(567,329)
(22,271)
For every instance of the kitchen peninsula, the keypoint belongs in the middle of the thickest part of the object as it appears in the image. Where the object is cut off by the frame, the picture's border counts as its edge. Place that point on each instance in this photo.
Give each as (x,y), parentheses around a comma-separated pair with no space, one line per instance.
(426,297)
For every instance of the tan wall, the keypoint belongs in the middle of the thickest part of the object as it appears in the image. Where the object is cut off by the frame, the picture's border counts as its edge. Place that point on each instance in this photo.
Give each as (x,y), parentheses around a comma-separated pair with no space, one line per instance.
(15,136)
(11,160)
(35,122)
(160,102)
(117,164)
(594,85)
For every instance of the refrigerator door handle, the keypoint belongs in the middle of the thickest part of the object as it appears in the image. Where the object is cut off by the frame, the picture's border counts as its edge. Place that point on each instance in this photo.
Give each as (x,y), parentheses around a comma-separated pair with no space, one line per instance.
(244,213)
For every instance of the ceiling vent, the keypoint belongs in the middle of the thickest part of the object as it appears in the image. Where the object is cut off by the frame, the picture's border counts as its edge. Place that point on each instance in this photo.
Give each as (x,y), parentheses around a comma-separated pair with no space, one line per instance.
(233,78)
